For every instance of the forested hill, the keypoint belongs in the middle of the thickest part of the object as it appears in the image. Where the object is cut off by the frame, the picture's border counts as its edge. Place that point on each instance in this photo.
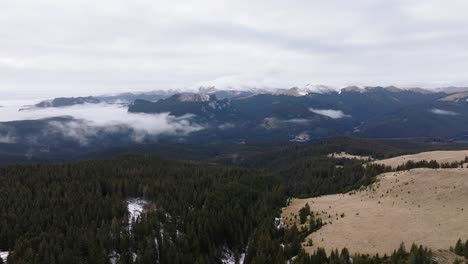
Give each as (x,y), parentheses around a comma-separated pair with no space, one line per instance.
(77,212)
(194,213)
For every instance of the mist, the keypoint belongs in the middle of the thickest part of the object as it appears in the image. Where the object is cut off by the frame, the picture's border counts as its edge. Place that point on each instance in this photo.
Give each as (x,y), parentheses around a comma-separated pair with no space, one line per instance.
(443,112)
(90,119)
(333,114)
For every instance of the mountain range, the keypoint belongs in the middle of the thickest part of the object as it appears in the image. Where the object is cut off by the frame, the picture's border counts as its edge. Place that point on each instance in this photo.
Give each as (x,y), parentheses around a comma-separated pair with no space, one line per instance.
(256,116)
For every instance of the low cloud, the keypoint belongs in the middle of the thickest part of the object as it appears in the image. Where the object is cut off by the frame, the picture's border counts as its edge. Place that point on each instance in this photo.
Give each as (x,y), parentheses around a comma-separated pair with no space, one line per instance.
(226,126)
(438,111)
(79,131)
(296,121)
(91,119)
(333,114)
(7,138)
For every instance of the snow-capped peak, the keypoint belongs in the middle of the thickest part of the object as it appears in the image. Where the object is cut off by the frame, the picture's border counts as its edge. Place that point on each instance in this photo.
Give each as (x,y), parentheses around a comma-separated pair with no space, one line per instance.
(319,88)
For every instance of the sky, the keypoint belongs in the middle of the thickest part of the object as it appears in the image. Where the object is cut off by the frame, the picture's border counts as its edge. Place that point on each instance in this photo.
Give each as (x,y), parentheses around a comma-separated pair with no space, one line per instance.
(82,47)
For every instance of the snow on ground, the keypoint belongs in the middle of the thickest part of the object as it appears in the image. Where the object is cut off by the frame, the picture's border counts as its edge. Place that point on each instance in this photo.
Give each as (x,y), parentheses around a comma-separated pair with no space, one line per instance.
(157,249)
(229,257)
(279,222)
(242,258)
(114,257)
(135,208)
(4,255)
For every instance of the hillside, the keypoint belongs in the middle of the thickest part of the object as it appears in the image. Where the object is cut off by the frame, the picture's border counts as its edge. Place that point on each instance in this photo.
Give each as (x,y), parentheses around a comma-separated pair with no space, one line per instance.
(422,206)
(439,156)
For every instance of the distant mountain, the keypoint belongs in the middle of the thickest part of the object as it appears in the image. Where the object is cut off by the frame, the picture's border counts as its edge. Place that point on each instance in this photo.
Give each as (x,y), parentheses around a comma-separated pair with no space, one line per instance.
(287,116)
(456,97)
(452,89)
(441,118)
(158,95)
(130,97)
(307,89)
(67,101)
(245,117)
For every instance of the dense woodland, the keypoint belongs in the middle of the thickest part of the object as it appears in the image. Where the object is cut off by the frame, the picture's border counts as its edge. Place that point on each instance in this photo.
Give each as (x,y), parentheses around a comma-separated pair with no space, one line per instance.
(196,212)
(415,255)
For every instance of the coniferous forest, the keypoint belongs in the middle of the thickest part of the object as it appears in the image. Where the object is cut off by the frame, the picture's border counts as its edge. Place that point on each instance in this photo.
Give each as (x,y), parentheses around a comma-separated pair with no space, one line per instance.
(195,212)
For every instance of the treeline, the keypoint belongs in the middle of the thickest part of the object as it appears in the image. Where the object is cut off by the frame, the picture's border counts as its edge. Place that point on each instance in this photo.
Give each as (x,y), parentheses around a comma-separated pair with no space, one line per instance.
(417,255)
(461,248)
(433,164)
(321,175)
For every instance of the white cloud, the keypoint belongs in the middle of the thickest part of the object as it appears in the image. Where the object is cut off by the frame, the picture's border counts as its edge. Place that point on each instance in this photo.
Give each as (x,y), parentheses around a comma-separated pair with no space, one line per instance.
(7,138)
(297,120)
(333,114)
(91,119)
(83,46)
(443,112)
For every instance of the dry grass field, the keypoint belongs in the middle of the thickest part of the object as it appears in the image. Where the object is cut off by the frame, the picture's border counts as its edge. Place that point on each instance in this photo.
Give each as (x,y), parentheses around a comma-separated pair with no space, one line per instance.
(439,156)
(423,206)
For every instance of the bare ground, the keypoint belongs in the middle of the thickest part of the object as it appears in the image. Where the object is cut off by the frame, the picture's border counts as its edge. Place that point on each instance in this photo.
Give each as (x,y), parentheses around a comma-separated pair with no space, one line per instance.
(423,206)
(439,156)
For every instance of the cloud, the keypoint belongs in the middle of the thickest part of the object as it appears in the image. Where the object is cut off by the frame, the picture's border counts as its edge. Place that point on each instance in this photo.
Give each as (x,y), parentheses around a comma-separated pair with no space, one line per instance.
(226,126)
(91,119)
(333,114)
(443,112)
(7,138)
(79,46)
(296,121)
(79,131)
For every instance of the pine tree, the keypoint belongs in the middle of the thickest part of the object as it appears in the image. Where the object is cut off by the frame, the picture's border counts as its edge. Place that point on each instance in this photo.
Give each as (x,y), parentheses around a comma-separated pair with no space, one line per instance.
(459,248)
(465,249)
(402,253)
(344,256)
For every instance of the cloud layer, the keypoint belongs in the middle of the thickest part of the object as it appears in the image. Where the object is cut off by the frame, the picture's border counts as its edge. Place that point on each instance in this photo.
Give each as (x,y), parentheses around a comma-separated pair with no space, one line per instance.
(438,111)
(83,46)
(91,119)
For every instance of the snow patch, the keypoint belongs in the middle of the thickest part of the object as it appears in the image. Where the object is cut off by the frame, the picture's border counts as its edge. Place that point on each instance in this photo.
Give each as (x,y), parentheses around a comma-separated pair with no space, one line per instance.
(4,255)
(242,258)
(279,222)
(157,249)
(135,208)
(229,257)
(113,257)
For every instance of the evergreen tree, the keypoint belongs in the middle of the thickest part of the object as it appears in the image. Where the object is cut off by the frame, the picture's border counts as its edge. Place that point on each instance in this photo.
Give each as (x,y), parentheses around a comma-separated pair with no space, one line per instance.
(465,249)
(459,248)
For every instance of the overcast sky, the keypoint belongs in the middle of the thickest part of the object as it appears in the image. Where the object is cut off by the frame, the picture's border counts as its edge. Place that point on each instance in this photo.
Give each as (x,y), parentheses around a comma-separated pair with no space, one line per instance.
(78,47)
